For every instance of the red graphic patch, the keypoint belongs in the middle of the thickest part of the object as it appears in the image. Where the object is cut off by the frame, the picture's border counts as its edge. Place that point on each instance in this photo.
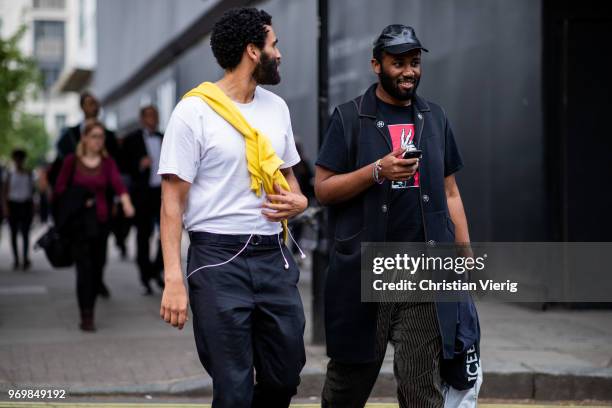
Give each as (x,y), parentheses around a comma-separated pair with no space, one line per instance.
(403,136)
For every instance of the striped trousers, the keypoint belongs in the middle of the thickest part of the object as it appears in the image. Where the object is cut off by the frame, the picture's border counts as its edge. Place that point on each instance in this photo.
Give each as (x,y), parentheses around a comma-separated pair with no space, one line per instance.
(412,329)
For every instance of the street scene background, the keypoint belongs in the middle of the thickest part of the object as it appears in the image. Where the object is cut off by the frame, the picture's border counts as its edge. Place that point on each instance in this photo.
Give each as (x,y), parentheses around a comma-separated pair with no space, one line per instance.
(524,83)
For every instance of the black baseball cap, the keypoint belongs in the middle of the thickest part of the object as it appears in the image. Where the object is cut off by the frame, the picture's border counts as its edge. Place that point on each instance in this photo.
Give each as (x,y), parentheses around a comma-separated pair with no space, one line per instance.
(398,39)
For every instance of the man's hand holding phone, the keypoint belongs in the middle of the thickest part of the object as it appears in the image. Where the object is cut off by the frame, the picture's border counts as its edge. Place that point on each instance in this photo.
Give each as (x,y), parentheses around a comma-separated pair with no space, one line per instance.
(396,167)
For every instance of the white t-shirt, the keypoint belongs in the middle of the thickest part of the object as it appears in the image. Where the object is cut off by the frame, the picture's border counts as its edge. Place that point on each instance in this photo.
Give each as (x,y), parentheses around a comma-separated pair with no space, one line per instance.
(153,146)
(21,186)
(201,147)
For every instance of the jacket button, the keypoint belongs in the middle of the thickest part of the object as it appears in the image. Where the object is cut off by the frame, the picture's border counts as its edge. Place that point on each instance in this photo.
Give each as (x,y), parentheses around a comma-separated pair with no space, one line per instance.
(431,242)
(384,208)
(425,198)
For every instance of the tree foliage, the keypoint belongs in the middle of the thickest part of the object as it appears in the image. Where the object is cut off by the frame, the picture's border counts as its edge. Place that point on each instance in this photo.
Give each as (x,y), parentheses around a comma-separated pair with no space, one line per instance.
(20,79)
(30,135)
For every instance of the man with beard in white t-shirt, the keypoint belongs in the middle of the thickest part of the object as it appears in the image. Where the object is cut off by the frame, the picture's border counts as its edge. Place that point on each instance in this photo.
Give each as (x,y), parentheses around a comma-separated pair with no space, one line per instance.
(247,311)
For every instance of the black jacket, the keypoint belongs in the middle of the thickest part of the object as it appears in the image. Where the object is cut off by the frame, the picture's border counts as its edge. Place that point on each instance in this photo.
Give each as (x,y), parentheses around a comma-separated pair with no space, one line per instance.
(132,151)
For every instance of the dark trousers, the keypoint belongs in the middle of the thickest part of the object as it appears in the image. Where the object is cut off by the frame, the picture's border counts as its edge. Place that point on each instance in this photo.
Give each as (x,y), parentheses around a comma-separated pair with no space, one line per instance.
(120,228)
(90,258)
(148,203)
(43,207)
(20,220)
(247,317)
(412,329)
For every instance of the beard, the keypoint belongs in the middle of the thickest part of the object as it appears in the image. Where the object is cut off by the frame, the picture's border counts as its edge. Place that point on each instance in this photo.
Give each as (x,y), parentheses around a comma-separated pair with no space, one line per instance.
(391,86)
(266,71)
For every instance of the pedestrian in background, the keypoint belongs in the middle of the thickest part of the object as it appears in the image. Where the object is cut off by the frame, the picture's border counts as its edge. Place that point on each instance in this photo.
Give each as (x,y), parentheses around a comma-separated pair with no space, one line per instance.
(67,144)
(120,224)
(71,136)
(18,206)
(81,189)
(140,155)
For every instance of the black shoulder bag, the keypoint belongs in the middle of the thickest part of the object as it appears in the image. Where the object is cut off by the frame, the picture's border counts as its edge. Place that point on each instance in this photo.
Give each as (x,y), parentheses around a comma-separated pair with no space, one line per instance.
(57,246)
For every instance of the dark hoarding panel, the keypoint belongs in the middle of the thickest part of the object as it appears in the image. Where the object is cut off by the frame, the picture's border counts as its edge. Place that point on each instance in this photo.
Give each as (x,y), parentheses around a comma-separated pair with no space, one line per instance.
(484,68)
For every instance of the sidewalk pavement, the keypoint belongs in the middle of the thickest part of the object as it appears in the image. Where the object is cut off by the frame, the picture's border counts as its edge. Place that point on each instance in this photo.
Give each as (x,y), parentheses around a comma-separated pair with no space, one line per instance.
(527,353)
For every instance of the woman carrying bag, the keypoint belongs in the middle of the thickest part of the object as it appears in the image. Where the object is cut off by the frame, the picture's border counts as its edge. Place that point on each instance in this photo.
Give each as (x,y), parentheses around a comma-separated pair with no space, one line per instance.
(81,189)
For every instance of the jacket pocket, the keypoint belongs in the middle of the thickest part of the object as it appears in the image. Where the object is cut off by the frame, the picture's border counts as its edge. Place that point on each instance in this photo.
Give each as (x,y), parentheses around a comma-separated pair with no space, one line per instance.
(439,226)
(349,245)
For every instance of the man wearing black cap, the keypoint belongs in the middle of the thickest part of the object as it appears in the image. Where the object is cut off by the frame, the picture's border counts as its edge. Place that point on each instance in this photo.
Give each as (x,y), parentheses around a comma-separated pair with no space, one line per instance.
(375,195)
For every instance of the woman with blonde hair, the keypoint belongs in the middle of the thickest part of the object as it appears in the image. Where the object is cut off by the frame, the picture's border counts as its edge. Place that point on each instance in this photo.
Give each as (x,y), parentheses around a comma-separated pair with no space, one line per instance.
(82,187)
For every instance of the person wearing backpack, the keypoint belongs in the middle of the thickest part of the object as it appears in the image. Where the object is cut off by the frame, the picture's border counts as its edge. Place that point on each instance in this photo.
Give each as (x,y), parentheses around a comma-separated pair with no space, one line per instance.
(375,194)
(19,206)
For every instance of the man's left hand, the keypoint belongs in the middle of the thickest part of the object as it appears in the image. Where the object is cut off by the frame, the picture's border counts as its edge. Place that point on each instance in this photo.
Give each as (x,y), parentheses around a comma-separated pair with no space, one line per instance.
(284,205)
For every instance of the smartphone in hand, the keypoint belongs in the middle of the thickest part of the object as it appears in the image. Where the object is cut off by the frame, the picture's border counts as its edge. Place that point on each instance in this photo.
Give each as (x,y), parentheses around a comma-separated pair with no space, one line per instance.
(412,154)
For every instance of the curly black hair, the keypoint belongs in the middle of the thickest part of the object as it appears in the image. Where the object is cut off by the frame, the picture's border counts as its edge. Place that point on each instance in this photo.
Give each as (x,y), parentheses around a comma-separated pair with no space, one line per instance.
(234,31)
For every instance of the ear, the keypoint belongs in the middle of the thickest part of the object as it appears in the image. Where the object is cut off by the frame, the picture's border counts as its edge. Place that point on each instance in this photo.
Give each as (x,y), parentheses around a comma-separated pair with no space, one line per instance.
(253,52)
(375,66)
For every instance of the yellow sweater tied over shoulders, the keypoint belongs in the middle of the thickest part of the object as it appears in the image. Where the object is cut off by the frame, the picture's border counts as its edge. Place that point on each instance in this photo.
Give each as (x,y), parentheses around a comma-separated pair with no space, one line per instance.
(262,162)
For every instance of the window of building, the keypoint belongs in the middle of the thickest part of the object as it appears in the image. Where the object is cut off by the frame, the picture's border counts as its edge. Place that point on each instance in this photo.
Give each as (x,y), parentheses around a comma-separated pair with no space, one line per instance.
(49,4)
(49,49)
(81,22)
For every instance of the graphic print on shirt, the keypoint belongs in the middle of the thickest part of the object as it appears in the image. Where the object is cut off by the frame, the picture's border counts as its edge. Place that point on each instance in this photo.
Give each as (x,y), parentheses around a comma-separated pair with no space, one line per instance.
(403,136)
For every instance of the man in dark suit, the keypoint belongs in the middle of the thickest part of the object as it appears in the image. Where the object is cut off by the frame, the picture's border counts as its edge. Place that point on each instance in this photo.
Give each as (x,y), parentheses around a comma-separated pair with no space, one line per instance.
(140,152)
(70,137)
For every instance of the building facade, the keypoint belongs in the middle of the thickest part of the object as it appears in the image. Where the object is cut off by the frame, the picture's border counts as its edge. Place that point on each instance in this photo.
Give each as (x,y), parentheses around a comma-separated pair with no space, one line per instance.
(60,36)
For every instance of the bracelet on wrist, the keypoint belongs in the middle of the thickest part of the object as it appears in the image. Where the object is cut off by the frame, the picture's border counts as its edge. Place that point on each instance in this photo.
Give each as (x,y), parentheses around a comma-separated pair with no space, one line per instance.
(376,168)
